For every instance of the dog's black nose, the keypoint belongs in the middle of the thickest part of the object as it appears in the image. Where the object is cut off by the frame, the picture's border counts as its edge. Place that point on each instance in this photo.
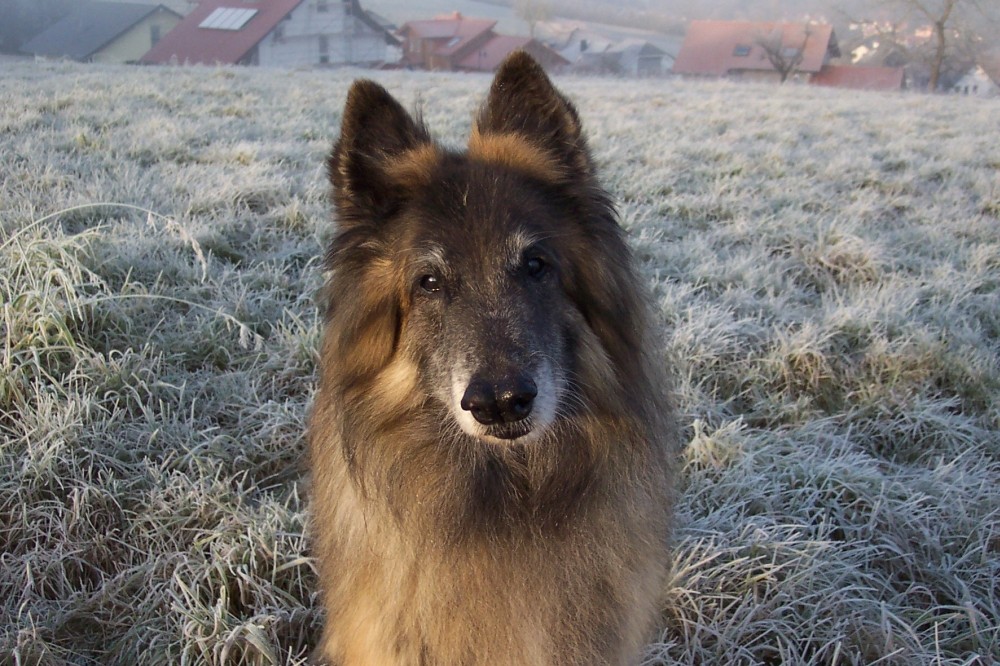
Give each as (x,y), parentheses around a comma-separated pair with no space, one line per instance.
(500,401)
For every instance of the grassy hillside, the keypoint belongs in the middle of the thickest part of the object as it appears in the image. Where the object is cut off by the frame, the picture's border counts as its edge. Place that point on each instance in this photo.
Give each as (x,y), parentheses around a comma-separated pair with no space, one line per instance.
(827,267)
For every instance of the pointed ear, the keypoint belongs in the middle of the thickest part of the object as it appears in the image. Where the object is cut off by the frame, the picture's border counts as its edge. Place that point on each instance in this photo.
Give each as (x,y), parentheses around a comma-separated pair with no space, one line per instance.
(377,136)
(524,105)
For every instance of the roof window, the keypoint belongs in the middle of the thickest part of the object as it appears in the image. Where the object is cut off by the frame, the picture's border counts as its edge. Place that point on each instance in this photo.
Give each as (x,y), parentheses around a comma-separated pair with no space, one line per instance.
(228,18)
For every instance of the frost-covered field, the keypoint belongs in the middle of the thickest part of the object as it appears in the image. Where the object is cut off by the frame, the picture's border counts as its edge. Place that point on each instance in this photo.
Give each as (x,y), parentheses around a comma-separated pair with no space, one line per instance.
(827,265)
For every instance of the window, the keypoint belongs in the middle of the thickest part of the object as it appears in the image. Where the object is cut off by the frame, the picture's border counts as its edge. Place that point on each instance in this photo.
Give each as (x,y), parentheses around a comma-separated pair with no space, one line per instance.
(324,49)
(154,34)
(741,51)
(322,6)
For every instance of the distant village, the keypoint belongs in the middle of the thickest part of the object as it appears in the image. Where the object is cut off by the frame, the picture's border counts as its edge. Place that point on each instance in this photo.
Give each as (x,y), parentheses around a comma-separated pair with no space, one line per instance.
(333,33)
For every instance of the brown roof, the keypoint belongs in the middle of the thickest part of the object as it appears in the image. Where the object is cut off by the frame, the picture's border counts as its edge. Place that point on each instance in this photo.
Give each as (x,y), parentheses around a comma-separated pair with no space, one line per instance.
(859,78)
(716,48)
(453,32)
(488,56)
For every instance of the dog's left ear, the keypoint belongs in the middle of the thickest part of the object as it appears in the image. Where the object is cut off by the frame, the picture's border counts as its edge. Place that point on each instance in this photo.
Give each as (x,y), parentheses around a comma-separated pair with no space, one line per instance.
(523,102)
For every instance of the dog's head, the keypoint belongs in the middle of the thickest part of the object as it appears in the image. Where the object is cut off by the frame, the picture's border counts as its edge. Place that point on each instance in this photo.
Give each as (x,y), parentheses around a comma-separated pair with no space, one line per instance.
(497,279)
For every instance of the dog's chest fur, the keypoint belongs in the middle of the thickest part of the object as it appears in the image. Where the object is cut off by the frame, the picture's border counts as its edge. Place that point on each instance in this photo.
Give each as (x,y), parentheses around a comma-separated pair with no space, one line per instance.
(408,600)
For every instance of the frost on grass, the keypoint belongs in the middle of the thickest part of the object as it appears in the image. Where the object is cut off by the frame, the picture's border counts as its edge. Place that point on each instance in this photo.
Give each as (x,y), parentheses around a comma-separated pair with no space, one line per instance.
(826,266)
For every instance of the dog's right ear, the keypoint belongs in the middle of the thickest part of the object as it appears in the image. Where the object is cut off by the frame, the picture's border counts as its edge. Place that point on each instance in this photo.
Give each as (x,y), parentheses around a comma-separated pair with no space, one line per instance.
(523,103)
(376,131)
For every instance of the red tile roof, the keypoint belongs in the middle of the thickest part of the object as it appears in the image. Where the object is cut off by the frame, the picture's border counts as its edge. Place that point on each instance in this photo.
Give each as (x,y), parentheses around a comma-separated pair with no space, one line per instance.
(189,43)
(716,48)
(860,78)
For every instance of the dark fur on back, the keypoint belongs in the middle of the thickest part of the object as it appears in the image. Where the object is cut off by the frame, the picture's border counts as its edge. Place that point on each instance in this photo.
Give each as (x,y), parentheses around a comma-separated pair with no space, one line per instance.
(442,540)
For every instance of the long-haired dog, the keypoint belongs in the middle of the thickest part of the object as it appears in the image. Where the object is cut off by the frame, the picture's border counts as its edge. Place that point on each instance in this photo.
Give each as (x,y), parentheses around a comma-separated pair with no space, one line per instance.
(492,443)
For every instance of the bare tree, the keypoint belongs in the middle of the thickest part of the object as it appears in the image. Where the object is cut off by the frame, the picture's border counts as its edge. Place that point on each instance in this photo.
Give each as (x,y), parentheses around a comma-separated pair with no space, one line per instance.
(532,11)
(785,58)
(940,14)
(956,28)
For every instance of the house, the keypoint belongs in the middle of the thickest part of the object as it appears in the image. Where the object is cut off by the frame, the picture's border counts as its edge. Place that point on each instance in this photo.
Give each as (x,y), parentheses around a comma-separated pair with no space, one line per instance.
(859,78)
(457,43)
(488,56)
(111,32)
(637,57)
(982,80)
(577,43)
(631,57)
(631,53)
(275,33)
(439,44)
(747,50)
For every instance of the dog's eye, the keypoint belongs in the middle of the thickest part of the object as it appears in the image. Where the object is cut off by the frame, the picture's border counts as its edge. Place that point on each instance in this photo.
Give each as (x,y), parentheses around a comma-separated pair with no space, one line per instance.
(535,266)
(430,284)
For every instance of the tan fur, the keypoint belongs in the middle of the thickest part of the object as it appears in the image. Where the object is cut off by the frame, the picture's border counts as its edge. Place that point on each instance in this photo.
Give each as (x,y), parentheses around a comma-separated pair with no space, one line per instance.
(436,548)
(516,152)
(531,605)
(412,169)
(584,597)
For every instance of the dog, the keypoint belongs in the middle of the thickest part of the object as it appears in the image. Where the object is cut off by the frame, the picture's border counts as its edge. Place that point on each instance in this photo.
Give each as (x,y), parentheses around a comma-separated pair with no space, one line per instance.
(492,443)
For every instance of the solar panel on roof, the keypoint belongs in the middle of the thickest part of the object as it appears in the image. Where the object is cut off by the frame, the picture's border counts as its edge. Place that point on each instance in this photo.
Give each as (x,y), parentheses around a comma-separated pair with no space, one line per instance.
(228,18)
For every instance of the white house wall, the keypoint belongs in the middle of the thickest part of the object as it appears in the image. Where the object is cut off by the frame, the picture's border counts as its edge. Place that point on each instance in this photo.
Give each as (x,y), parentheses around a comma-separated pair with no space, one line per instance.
(977,83)
(296,41)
